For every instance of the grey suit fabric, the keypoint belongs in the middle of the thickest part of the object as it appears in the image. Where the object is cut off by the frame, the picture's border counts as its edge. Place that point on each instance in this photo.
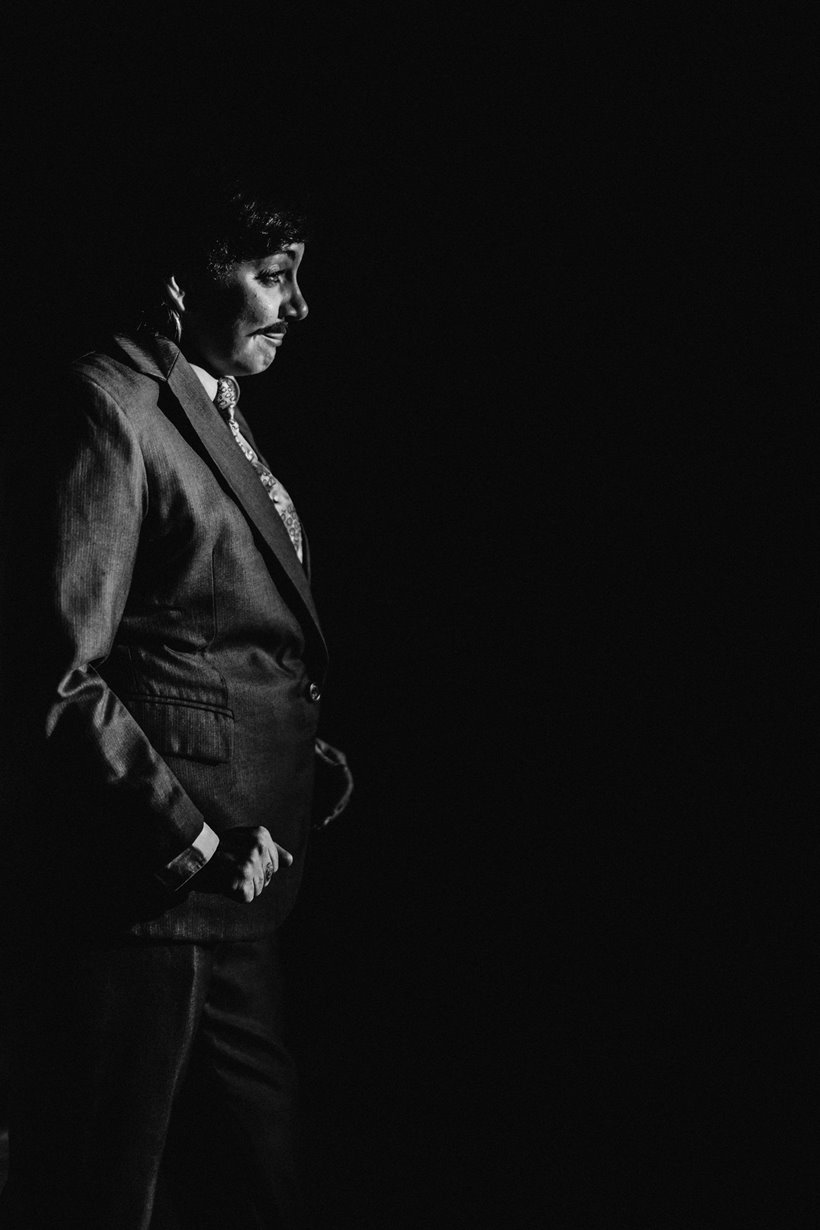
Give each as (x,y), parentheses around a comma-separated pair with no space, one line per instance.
(151,1089)
(177,645)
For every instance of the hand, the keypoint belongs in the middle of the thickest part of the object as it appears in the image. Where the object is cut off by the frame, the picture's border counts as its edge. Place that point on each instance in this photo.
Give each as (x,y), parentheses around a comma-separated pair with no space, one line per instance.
(243,864)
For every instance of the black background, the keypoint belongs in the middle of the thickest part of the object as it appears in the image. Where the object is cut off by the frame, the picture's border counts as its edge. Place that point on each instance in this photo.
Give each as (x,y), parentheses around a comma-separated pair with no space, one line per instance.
(549,425)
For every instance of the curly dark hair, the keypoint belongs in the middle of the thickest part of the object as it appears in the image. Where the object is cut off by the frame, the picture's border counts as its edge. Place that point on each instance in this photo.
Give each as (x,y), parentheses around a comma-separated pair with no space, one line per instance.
(202,227)
(239,222)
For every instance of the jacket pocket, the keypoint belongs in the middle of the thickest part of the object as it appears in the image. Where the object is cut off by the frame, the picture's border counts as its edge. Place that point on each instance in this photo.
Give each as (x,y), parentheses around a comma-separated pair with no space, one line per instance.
(178,728)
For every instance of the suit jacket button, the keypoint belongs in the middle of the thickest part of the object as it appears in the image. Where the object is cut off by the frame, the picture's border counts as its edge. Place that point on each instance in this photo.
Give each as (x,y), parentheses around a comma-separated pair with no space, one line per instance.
(315,692)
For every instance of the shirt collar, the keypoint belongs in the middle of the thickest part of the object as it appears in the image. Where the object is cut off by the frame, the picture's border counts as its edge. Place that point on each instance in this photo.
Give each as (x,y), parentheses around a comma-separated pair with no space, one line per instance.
(207,381)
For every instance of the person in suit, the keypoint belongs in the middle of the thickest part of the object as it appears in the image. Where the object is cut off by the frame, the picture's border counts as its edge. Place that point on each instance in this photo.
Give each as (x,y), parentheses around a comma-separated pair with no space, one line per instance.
(170,656)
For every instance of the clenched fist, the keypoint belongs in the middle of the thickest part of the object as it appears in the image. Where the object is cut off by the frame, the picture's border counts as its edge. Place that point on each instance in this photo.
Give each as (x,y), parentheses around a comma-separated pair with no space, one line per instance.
(243,865)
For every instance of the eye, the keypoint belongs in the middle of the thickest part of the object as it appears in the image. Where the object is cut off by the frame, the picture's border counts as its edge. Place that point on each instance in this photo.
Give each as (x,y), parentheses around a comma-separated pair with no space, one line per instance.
(271,277)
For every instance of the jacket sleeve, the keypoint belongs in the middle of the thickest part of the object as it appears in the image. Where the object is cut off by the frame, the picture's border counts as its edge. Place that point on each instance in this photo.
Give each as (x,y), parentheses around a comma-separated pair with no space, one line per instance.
(96,498)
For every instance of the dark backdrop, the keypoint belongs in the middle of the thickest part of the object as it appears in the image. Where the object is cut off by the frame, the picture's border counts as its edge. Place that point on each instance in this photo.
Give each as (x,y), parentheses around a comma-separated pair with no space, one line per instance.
(549,426)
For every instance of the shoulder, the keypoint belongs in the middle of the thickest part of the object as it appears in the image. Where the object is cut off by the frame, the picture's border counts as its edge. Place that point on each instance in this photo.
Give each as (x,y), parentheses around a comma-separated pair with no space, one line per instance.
(122,381)
(102,375)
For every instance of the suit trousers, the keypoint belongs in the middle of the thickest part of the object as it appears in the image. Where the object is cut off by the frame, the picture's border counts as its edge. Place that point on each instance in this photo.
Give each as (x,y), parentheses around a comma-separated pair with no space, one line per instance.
(151,1090)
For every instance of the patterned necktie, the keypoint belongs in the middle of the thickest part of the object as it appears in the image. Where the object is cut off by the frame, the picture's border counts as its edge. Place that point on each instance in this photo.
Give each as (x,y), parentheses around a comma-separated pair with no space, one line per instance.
(227,395)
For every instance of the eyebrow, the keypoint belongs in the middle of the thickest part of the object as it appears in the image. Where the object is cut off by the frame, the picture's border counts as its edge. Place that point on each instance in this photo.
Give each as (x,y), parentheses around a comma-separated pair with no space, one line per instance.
(284,254)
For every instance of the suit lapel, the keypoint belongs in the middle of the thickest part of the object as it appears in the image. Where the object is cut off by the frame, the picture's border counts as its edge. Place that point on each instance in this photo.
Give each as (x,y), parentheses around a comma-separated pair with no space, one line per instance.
(229,461)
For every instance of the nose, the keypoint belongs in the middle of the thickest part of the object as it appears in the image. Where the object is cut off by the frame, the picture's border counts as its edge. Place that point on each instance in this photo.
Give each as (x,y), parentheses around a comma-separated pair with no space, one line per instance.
(297,308)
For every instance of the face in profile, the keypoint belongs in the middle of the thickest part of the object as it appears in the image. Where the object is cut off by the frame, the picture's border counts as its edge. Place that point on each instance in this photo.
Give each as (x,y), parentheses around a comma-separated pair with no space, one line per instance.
(234,327)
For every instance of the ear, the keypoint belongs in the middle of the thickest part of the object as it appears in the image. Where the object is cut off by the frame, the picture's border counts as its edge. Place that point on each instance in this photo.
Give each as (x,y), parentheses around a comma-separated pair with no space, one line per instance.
(175,295)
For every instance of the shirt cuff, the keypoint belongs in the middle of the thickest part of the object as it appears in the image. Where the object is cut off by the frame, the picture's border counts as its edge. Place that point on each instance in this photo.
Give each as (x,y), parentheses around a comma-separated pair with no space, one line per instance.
(190,861)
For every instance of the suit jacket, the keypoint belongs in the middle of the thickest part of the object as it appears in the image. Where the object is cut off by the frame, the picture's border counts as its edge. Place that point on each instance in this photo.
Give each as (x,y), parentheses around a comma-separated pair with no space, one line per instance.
(173,657)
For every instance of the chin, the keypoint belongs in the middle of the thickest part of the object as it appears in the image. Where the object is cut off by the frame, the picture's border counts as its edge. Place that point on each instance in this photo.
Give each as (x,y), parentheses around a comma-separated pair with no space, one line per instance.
(254,365)
(261,360)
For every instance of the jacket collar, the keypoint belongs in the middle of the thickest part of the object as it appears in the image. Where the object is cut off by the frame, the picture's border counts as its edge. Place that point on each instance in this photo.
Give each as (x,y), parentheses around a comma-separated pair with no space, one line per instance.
(148,354)
(164,361)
